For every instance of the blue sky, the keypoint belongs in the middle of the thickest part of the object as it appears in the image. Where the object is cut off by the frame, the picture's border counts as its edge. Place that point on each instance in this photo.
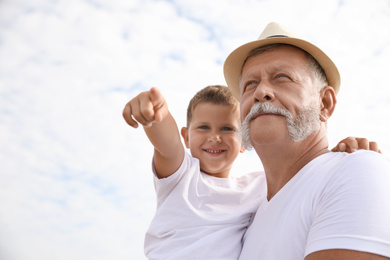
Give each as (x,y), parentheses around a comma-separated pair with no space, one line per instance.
(75,180)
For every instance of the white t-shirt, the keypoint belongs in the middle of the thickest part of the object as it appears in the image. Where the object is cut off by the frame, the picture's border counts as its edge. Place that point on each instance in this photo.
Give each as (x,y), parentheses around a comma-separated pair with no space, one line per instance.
(337,201)
(202,217)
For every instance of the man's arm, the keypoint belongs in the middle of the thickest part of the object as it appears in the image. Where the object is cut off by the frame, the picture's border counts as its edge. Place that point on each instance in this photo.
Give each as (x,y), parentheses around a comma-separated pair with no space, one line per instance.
(342,254)
(150,109)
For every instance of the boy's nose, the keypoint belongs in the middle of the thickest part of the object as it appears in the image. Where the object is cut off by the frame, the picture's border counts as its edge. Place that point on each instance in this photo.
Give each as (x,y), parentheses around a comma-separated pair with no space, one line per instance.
(214,138)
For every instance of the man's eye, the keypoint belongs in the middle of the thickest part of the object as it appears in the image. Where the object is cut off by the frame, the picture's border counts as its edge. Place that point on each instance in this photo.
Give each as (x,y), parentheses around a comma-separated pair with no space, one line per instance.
(248,85)
(282,76)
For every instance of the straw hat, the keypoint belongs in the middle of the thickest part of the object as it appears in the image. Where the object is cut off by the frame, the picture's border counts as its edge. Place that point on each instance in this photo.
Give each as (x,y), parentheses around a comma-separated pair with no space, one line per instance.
(276,33)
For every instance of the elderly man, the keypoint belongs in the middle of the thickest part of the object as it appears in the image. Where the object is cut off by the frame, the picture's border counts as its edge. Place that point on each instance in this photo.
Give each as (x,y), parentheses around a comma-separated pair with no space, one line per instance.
(319,205)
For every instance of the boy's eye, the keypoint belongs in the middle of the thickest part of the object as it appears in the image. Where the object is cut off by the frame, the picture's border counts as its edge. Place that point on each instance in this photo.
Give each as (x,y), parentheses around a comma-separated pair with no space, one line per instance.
(203,127)
(227,128)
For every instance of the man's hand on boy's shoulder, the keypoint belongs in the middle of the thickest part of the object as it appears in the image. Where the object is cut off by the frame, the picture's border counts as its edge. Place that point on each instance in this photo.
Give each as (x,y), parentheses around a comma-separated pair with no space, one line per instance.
(352,144)
(146,108)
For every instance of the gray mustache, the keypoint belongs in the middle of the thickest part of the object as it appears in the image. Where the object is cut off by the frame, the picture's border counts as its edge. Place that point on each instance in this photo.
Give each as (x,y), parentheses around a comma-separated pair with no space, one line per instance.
(256,109)
(306,122)
(267,107)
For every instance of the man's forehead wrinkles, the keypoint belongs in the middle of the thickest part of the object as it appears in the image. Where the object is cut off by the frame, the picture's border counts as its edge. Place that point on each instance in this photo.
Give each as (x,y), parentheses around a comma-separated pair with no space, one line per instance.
(255,70)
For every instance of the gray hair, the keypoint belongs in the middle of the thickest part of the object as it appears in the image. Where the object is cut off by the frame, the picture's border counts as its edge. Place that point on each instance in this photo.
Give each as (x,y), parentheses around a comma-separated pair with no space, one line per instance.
(317,71)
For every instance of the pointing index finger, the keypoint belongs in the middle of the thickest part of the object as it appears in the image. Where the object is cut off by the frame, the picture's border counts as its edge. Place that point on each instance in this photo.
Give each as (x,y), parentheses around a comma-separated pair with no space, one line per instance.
(156,96)
(158,103)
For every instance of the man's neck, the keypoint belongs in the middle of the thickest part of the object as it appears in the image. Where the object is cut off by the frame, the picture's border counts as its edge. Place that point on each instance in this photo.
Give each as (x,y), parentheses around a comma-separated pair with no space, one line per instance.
(284,159)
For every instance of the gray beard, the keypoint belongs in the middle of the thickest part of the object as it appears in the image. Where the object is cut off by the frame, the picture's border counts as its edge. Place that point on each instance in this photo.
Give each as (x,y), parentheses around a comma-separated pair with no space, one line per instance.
(306,122)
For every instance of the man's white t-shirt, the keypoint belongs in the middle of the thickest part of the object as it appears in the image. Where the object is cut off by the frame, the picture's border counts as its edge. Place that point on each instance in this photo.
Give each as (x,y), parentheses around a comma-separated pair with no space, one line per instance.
(337,201)
(202,217)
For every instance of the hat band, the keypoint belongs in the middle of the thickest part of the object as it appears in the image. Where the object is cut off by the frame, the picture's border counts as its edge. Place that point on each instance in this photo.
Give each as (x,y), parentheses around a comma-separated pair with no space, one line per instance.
(273,36)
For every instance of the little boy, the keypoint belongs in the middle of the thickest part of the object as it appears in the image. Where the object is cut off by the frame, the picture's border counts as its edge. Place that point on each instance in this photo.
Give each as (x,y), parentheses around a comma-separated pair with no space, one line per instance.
(202,212)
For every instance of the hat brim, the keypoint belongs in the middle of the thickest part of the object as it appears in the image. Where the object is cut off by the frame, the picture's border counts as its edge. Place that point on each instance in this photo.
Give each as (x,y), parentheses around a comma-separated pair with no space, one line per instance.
(234,62)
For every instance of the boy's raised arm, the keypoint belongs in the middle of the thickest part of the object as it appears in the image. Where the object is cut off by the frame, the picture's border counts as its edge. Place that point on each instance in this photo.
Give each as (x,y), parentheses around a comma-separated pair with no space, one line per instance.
(150,109)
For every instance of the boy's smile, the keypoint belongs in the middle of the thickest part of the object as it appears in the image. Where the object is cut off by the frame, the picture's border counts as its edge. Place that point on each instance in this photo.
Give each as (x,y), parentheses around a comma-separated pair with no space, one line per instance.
(212,138)
(214,151)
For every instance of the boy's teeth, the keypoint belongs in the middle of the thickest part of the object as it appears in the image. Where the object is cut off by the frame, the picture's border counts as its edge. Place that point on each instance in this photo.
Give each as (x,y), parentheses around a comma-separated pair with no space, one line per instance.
(213,151)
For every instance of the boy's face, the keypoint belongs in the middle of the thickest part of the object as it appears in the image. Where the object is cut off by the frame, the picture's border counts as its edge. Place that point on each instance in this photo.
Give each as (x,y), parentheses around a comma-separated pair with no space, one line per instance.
(212,138)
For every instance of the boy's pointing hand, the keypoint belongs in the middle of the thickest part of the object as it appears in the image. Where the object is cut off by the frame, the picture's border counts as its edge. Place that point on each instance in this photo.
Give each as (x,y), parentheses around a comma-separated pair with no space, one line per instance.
(146,108)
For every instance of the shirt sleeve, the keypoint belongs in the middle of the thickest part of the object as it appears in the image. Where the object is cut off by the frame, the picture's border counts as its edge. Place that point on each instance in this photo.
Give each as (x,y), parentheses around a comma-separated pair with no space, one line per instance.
(165,186)
(353,211)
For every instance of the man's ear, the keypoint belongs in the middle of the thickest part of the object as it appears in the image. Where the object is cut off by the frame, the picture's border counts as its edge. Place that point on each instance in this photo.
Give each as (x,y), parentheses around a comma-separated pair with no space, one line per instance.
(328,103)
(184,134)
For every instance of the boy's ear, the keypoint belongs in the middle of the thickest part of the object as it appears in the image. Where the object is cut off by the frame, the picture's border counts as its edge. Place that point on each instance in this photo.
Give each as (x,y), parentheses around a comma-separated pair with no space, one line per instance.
(184,134)
(328,103)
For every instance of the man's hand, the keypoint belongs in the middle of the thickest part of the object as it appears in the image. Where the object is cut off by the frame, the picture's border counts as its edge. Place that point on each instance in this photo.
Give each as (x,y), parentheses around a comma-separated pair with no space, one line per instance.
(351,144)
(147,108)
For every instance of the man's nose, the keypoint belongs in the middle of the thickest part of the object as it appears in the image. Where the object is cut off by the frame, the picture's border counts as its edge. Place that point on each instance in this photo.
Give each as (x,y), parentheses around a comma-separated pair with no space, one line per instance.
(264,92)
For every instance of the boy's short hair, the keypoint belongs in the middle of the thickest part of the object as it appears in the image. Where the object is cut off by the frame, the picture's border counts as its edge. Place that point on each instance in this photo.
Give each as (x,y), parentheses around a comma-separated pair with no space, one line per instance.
(215,94)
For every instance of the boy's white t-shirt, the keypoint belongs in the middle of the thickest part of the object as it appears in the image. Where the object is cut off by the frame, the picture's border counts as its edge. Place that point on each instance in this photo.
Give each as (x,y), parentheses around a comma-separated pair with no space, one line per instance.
(337,201)
(202,217)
